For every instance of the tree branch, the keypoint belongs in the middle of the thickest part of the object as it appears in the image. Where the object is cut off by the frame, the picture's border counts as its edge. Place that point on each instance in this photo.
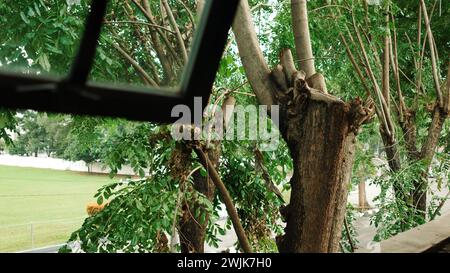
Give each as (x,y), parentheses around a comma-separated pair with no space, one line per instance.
(255,66)
(355,64)
(434,64)
(386,55)
(166,64)
(439,207)
(265,174)
(299,14)
(226,198)
(191,16)
(150,17)
(349,235)
(139,23)
(385,118)
(136,66)
(174,24)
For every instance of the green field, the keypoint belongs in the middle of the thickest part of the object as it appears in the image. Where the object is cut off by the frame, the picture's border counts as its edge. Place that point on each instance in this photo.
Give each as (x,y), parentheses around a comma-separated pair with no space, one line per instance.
(40,207)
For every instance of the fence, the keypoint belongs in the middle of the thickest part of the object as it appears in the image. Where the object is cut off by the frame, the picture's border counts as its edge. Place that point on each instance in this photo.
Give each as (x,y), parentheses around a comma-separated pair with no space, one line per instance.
(31,235)
(59,164)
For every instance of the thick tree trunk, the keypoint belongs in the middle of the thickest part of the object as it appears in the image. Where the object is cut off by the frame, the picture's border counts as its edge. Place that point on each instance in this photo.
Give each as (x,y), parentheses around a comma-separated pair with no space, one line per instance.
(320,131)
(321,141)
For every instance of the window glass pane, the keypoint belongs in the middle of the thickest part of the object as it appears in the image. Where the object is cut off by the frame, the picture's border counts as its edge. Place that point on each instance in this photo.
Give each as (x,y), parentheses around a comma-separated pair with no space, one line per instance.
(145,43)
(40,36)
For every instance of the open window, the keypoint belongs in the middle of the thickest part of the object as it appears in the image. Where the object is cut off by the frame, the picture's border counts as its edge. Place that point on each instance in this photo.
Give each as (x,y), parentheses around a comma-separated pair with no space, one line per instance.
(79,92)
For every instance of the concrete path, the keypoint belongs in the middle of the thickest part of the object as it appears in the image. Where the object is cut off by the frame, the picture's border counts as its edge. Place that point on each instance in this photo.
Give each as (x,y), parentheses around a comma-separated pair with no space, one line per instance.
(47,249)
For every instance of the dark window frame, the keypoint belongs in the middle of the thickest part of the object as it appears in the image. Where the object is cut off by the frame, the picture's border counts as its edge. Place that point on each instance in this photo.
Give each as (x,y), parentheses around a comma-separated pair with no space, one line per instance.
(76,95)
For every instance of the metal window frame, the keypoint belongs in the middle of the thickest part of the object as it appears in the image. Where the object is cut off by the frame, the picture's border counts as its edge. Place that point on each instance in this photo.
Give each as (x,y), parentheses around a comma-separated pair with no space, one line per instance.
(76,95)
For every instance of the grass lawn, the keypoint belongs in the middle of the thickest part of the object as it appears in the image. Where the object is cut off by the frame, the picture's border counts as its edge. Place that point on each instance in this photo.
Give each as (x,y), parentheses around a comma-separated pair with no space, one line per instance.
(53,201)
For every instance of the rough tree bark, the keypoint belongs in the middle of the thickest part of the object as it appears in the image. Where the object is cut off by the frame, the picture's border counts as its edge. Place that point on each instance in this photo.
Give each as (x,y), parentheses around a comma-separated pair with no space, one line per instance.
(320,131)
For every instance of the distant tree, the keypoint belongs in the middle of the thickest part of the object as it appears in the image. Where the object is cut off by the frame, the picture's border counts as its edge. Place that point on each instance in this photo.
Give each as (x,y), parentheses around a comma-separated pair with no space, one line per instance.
(7,123)
(40,133)
(84,140)
(32,136)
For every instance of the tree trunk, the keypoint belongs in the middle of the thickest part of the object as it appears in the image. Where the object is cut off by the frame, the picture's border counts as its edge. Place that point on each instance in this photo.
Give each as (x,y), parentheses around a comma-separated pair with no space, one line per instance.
(393,159)
(192,230)
(427,153)
(362,198)
(320,132)
(321,141)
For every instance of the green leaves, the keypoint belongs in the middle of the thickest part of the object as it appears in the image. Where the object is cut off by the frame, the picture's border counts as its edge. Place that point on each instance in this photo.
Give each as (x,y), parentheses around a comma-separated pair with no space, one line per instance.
(139,205)
(203,172)
(137,211)
(44,62)
(36,8)
(24,18)
(141,172)
(397,214)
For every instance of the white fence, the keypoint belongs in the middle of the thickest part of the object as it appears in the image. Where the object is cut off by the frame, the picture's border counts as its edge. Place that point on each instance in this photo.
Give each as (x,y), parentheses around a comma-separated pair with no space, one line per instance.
(32,235)
(57,164)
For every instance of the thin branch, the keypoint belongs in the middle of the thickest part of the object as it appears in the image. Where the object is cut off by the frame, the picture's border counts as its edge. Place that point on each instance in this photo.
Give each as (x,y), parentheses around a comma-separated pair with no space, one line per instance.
(191,16)
(226,198)
(432,54)
(265,174)
(386,120)
(166,63)
(174,24)
(386,64)
(349,236)
(407,78)
(163,36)
(331,6)
(447,97)
(441,204)
(139,23)
(402,109)
(374,49)
(422,48)
(411,48)
(136,66)
(355,65)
